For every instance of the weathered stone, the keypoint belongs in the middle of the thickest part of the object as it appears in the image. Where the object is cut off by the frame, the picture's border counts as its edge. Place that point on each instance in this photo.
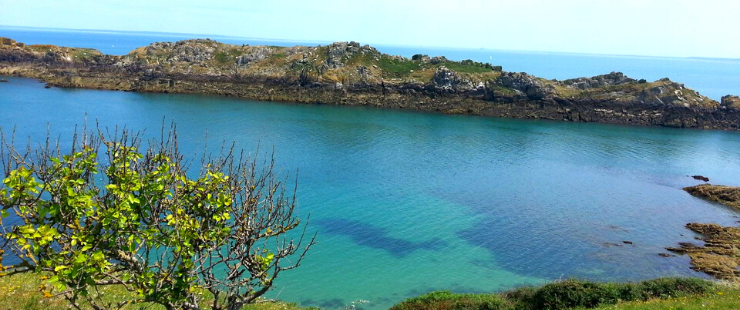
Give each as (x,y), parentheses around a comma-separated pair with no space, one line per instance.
(730,102)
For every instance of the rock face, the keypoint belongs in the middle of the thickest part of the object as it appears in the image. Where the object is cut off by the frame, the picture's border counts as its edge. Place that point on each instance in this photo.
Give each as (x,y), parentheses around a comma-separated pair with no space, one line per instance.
(348,73)
(528,85)
(731,102)
(449,81)
(614,78)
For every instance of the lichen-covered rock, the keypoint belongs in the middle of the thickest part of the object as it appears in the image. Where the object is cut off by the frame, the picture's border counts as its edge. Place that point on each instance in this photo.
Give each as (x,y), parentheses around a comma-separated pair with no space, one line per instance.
(727,195)
(255,54)
(730,102)
(448,80)
(613,78)
(528,85)
(720,254)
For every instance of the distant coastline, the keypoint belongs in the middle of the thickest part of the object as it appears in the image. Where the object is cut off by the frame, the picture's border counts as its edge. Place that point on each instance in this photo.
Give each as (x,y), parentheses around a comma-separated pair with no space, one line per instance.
(347,73)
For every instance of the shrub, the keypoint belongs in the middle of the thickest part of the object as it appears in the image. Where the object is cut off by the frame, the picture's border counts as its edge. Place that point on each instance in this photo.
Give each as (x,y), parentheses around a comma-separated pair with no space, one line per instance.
(106,213)
(673,287)
(451,301)
(567,294)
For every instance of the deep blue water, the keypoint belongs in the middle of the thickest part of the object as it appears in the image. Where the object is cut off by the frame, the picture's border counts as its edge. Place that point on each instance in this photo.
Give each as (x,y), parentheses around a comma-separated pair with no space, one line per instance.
(406,202)
(711,77)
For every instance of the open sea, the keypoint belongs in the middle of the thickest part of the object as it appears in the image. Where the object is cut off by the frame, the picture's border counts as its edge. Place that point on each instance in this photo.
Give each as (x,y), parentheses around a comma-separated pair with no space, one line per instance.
(406,202)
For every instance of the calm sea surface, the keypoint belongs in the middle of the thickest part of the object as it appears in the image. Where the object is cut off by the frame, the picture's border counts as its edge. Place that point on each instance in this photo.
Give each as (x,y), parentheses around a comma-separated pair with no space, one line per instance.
(405,202)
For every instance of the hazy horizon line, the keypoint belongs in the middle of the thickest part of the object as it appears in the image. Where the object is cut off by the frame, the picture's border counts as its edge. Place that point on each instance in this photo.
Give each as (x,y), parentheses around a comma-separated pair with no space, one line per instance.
(319,42)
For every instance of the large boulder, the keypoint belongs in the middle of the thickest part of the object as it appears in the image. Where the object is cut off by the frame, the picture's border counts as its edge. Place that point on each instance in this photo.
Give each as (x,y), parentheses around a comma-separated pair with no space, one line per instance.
(255,54)
(526,84)
(448,80)
(730,102)
(613,78)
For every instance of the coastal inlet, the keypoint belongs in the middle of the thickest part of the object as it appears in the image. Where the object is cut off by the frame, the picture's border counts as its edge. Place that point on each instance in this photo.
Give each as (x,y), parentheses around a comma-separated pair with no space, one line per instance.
(407,202)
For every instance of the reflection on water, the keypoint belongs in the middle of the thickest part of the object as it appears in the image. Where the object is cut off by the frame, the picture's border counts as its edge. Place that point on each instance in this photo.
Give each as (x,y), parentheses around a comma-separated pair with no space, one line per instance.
(405,203)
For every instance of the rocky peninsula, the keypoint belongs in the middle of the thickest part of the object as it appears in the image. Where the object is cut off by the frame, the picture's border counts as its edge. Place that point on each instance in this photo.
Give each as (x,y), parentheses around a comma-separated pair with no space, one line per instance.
(347,73)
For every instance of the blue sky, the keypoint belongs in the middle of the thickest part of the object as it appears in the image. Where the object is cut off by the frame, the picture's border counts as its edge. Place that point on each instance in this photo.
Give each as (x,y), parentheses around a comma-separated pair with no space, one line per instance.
(683,28)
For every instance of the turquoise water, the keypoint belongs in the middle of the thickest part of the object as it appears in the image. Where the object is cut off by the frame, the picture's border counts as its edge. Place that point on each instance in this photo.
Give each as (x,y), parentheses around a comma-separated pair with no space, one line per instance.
(711,77)
(405,202)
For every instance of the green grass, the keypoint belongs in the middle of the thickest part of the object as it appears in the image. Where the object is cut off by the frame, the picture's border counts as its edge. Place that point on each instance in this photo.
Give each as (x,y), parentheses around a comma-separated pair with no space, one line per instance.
(467,67)
(397,68)
(22,291)
(727,298)
(570,294)
(221,57)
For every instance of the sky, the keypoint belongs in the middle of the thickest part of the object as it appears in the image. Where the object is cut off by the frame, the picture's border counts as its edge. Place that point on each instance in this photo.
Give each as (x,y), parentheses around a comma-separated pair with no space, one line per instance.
(674,28)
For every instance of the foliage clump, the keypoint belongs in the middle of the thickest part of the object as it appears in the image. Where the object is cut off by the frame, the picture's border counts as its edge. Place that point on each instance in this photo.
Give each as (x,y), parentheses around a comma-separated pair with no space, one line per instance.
(110,212)
(569,294)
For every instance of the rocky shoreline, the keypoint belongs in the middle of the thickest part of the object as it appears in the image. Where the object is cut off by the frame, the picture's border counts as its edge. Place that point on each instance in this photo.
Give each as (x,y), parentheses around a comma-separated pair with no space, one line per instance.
(719,256)
(347,73)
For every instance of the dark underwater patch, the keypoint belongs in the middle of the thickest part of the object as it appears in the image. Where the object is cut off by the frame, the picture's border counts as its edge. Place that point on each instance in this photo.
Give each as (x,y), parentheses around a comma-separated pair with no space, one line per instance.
(375,237)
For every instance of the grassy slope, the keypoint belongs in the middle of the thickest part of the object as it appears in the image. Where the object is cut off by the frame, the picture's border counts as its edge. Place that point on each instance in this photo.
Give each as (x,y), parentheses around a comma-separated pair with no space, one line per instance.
(728,298)
(22,291)
(573,294)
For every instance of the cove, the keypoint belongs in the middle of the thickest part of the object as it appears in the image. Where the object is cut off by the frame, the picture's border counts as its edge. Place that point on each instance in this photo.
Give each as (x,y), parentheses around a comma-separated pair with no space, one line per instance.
(406,202)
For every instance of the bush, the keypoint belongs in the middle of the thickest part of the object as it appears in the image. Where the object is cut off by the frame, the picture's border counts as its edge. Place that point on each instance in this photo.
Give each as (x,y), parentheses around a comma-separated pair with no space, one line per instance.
(451,301)
(107,213)
(567,294)
(570,294)
(573,293)
(673,287)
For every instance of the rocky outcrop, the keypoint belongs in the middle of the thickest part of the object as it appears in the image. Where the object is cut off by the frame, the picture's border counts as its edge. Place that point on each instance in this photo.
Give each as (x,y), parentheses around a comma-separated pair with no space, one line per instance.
(611,79)
(726,195)
(448,80)
(524,84)
(730,102)
(347,73)
(719,256)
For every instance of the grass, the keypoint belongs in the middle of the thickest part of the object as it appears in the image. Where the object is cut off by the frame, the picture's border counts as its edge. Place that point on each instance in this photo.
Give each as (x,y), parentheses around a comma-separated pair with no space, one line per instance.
(728,298)
(570,294)
(471,67)
(22,291)
(397,68)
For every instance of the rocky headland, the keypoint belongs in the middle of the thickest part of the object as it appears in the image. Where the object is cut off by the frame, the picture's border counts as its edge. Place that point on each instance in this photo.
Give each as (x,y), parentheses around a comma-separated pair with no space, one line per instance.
(347,73)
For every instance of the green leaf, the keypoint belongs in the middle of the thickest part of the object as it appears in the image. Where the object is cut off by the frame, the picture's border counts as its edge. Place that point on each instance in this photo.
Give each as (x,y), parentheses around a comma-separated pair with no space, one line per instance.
(60,267)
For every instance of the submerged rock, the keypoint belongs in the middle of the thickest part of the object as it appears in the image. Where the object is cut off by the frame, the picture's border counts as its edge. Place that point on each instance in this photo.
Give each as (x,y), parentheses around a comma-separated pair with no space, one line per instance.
(701,178)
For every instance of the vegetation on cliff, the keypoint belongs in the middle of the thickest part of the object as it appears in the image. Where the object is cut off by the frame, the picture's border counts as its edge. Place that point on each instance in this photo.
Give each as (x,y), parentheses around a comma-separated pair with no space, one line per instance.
(348,73)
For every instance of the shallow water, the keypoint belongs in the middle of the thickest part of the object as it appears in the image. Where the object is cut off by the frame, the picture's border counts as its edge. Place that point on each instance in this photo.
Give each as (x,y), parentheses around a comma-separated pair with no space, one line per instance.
(408,202)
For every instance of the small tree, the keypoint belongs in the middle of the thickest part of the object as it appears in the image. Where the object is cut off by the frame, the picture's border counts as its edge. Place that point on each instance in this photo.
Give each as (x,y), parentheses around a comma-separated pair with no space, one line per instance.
(144,221)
